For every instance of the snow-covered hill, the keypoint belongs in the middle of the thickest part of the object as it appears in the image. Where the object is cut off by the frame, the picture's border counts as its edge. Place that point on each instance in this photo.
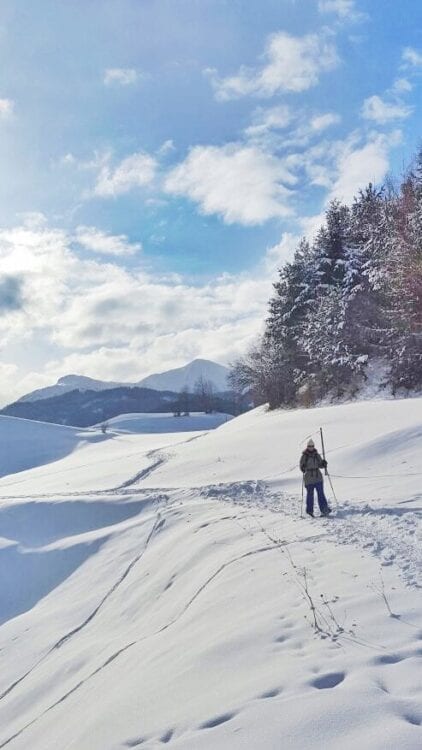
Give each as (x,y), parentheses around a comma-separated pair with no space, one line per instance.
(153,423)
(164,590)
(171,380)
(188,376)
(25,444)
(70,383)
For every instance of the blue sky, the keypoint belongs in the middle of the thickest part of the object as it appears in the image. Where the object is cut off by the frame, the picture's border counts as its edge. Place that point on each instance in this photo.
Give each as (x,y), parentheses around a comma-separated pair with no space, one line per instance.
(160,158)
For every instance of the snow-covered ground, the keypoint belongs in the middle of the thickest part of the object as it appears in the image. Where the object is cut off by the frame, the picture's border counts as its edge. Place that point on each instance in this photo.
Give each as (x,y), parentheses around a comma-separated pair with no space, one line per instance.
(164,590)
(165,422)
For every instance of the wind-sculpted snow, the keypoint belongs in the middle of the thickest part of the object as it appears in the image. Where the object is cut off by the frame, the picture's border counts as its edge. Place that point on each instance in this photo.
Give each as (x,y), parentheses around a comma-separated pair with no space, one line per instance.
(25,444)
(158,609)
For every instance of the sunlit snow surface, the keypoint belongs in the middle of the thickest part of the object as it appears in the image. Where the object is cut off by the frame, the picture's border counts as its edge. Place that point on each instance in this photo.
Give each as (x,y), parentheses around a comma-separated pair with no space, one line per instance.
(163,590)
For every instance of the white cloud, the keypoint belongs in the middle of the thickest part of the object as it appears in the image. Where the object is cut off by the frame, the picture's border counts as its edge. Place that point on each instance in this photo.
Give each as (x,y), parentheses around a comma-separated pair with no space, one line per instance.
(166,148)
(319,174)
(316,164)
(100,242)
(359,165)
(273,118)
(345,167)
(345,9)
(294,64)
(283,251)
(9,383)
(222,342)
(6,108)
(378,110)
(68,159)
(283,130)
(240,183)
(401,86)
(412,57)
(322,122)
(137,170)
(102,320)
(312,224)
(33,219)
(99,162)
(121,76)
(41,259)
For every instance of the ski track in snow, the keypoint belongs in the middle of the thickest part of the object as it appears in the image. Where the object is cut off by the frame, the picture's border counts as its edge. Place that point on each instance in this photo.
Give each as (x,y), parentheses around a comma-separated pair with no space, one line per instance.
(257,496)
(162,458)
(158,523)
(123,488)
(392,534)
(253,494)
(70,692)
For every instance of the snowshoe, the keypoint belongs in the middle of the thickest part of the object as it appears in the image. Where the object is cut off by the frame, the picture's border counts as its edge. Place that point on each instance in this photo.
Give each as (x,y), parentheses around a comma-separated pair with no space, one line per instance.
(326,512)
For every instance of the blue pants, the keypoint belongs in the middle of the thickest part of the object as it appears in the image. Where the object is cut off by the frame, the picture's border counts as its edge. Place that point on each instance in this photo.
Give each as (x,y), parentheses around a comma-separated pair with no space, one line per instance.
(322,500)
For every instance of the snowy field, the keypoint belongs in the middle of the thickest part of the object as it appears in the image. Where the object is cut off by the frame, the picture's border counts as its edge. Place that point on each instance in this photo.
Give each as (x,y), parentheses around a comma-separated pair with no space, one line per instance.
(163,590)
(167,422)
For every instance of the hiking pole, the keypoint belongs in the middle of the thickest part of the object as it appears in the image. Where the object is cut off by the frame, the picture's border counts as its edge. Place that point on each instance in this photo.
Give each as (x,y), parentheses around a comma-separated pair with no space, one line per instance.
(332,490)
(301,503)
(325,468)
(323,450)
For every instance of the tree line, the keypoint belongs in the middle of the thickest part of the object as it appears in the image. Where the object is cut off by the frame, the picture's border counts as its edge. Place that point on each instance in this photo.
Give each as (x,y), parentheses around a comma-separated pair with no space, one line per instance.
(350,297)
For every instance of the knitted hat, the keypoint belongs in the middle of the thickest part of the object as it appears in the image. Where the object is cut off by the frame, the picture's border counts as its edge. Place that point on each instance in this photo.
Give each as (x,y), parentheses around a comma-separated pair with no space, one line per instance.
(310,443)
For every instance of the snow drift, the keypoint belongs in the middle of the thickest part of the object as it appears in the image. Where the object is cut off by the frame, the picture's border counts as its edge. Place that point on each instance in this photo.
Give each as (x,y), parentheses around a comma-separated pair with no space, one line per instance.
(25,444)
(163,590)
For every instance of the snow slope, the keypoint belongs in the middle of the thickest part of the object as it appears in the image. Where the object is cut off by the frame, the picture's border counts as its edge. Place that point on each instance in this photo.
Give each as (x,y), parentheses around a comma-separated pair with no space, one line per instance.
(380,440)
(170,594)
(165,422)
(25,443)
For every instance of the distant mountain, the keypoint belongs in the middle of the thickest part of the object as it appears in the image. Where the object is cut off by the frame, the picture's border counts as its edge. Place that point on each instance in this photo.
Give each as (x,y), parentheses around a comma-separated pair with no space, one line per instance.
(172,380)
(71,383)
(86,408)
(188,376)
(82,408)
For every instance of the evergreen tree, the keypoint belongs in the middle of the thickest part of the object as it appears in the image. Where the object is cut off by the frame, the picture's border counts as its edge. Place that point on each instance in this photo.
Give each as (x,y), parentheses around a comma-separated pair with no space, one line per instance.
(355,295)
(326,336)
(405,314)
(367,275)
(329,248)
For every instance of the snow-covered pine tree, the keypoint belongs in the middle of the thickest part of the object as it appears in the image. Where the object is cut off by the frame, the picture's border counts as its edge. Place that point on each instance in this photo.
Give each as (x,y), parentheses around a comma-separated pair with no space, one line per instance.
(354,295)
(405,313)
(294,293)
(327,334)
(328,250)
(367,278)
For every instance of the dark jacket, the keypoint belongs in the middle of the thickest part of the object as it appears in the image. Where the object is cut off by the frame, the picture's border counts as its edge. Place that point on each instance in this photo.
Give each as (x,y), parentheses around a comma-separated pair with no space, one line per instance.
(310,464)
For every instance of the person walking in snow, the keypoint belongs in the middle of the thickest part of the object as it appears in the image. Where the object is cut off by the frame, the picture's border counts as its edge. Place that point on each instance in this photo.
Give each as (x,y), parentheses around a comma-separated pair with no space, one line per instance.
(310,464)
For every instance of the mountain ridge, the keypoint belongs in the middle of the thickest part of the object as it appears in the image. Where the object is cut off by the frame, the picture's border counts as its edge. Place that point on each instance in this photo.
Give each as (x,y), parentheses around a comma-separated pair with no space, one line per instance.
(174,380)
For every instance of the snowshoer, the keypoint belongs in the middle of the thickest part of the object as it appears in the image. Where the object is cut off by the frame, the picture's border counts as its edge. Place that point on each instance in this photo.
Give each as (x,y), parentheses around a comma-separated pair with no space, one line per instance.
(310,464)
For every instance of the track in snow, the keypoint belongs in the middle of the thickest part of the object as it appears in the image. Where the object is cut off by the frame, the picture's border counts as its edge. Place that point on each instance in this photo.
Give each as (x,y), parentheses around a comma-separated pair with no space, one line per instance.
(394,534)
